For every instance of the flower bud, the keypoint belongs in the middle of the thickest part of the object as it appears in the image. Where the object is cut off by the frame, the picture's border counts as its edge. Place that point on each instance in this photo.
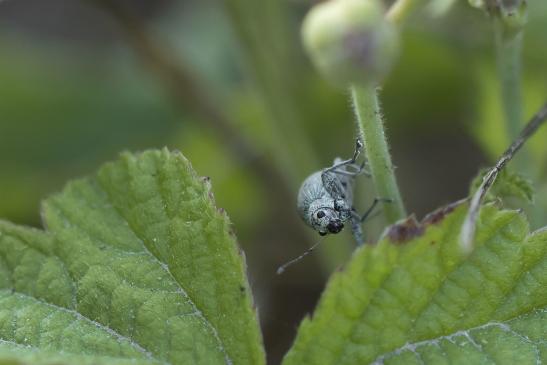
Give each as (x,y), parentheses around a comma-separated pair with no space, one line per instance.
(350,41)
(512,13)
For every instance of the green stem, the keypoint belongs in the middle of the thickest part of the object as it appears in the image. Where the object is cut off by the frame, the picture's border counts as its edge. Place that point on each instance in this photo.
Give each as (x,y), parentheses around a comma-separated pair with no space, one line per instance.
(371,130)
(508,51)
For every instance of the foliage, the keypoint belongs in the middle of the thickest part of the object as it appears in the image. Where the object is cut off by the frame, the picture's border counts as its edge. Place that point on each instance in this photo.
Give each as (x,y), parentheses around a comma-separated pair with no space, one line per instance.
(136,263)
(421,301)
(508,185)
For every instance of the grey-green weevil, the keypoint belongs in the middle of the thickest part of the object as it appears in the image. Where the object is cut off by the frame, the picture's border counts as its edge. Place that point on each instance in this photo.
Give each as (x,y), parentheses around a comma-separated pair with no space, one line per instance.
(325,200)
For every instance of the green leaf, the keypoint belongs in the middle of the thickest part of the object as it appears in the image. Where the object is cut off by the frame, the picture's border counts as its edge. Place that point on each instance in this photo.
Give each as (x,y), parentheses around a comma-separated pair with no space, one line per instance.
(507,185)
(415,299)
(136,265)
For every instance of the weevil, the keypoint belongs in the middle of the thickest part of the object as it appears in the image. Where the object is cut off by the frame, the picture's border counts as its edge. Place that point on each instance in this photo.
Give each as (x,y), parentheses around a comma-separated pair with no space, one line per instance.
(325,200)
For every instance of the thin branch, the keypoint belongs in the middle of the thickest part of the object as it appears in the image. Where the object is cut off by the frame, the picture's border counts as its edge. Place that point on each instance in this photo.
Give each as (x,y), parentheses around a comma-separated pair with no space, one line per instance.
(469,226)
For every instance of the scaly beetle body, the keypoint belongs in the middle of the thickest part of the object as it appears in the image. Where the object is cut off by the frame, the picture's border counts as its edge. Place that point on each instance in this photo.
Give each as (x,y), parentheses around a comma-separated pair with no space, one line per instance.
(325,199)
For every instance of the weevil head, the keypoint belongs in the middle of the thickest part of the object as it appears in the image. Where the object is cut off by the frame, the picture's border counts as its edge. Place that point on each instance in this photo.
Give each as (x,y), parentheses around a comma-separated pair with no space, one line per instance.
(324,218)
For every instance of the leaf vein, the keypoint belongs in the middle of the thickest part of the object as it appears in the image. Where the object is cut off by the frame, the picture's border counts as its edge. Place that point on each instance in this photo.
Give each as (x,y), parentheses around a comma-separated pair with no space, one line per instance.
(165,267)
(83,318)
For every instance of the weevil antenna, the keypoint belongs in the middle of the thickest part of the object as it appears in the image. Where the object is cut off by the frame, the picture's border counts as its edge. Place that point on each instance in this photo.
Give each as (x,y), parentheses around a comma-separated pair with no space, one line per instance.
(282,268)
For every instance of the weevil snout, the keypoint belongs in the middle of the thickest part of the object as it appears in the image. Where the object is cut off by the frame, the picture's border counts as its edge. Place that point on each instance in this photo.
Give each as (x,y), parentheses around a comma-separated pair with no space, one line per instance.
(335,226)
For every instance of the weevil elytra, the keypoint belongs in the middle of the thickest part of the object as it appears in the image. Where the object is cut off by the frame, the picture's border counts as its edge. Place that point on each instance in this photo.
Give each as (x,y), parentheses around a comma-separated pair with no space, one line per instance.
(325,200)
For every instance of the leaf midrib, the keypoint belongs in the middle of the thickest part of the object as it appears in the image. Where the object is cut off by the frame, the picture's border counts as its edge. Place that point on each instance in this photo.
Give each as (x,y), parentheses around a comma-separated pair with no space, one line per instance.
(73,283)
(79,316)
(445,233)
(165,266)
(464,332)
(446,276)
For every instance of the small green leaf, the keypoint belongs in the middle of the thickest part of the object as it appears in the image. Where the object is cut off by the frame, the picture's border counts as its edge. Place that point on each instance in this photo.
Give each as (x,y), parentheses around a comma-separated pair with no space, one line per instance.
(415,299)
(136,265)
(508,185)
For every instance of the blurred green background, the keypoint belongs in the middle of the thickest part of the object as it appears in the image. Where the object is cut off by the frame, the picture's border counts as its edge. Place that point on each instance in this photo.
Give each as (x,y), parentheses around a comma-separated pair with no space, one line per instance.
(227,83)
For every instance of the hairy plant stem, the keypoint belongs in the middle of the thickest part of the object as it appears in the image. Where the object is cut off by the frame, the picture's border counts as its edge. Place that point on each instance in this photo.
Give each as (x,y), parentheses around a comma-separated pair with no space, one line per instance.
(371,130)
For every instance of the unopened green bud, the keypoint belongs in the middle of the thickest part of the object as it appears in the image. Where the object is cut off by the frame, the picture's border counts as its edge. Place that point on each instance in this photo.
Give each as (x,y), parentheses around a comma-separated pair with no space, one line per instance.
(512,13)
(350,41)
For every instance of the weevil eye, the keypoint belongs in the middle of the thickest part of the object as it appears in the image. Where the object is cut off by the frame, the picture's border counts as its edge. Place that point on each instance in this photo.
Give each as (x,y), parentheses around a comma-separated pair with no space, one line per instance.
(322,233)
(320,214)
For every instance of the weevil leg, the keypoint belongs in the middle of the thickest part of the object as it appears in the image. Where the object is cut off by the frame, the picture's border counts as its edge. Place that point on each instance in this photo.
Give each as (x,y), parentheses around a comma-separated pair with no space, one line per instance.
(363,170)
(346,173)
(357,230)
(357,170)
(351,161)
(373,215)
(372,206)
(357,220)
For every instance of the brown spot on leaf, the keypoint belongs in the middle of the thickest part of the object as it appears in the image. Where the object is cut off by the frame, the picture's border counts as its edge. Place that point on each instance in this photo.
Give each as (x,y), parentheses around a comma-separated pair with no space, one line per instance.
(410,228)
(438,215)
(405,230)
